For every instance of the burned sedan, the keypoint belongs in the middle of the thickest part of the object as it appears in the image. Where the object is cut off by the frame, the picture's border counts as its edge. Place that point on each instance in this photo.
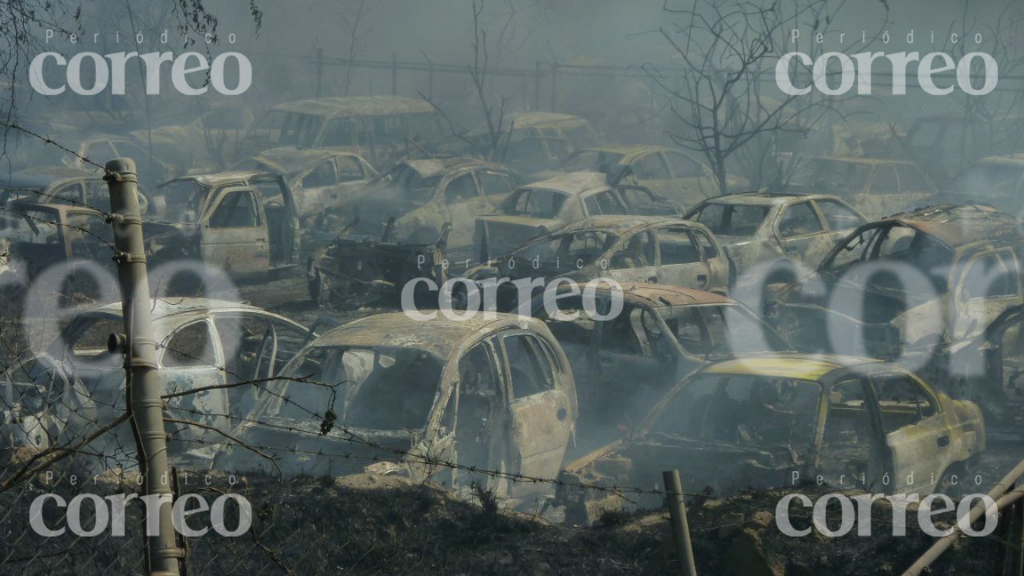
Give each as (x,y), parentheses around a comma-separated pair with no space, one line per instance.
(244,223)
(760,228)
(545,206)
(435,399)
(908,283)
(625,362)
(876,187)
(318,178)
(781,420)
(644,249)
(670,173)
(61,185)
(201,343)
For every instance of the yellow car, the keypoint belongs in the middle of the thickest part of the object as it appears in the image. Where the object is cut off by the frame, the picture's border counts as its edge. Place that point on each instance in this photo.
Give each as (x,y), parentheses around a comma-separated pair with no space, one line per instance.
(785,420)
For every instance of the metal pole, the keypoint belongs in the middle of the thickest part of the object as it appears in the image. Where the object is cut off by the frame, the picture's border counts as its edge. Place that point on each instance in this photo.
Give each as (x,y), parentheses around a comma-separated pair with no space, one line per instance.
(680,527)
(554,85)
(1016,514)
(430,89)
(143,385)
(536,87)
(394,74)
(319,71)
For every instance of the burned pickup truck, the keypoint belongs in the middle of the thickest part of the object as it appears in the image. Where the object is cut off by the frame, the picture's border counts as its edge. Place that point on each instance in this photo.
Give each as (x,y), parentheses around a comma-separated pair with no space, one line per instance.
(779,421)
(244,223)
(908,283)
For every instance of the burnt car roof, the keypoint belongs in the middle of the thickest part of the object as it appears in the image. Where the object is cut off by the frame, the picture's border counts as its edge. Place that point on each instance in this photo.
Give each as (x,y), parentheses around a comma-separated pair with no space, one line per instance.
(573,183)
(767,198)
(45,176)
(861,160)
(797,366)
(167,307)
(224,178)
(358,106)
(1016,160)
(291,160)
(439,336)
(621,224)
(956,225)
(24,205)
(522,120)
(437,166)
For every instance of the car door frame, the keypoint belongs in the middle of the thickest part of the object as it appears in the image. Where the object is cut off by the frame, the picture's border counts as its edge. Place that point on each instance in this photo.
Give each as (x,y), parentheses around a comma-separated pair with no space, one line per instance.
(524,452)
(662,274)
(800,253)
(260,256)
(963,324)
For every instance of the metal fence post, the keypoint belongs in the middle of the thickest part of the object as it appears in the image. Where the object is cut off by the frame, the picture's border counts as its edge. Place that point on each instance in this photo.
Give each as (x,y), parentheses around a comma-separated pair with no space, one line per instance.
(554,85)
(680,527)
(536,86)
(319,71)
(394,74)
(143,386)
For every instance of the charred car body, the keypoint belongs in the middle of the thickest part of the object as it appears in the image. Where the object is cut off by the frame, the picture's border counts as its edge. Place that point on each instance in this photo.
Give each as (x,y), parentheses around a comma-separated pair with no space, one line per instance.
(317,178)
(780,420)
(668,172)
(624,364)
(911,282)
(536,141)
(244,223)
(643,249)
(400,227)
(876,187)
(481,394)
(381,128)
(758,228)
(544,206)
(35,236)
(201,343)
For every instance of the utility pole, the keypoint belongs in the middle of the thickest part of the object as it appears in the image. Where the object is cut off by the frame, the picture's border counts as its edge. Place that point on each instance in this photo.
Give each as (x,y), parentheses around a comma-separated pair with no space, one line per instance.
(143,386)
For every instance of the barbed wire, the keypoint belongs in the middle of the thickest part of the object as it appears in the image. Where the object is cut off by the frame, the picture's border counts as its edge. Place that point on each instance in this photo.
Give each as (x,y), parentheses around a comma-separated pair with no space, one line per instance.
(51,142)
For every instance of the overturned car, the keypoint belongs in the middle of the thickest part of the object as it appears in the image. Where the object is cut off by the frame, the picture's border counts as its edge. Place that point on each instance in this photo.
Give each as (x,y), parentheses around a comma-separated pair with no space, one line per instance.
(784,420)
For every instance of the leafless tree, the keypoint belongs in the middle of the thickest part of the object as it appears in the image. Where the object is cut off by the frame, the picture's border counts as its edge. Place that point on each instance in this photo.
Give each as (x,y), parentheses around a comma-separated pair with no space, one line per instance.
(352,15)
(724,96)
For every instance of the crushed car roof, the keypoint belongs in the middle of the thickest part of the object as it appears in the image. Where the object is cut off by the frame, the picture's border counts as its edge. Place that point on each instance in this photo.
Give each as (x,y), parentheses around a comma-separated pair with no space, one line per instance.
(438,336)
(358,106)
(766,198)
(621,224)
(796,366)
(955,225)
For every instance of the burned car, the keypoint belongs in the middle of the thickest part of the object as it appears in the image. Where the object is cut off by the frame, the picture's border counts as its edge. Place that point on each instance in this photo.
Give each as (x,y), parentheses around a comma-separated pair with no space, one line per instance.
(35,236)
(996,180)
(536,141)
(318,178)
(435,399)
(668,172)
(544,206)
(911,282)
(626,363)
(777,421)
(244,223)
(644,249)
(61,185)
(200,343)
(876,187)
(760,228)
(381,128)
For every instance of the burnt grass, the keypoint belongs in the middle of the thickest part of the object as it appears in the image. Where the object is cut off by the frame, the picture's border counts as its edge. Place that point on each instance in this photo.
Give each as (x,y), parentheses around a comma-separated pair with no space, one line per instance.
(388,525)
